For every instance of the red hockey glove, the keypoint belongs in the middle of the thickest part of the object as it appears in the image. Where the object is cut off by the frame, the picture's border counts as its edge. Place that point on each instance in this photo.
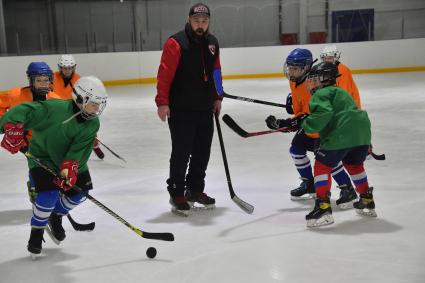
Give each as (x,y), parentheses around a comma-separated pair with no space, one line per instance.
(68,178)
(14,137)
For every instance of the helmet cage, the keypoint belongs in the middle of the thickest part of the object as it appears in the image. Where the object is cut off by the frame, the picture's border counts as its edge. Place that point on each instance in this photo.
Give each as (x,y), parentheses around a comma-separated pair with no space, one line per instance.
(83,98)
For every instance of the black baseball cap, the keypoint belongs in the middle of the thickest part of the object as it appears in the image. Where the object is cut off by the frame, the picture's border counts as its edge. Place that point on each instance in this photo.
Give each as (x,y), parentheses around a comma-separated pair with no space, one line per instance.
(199,9)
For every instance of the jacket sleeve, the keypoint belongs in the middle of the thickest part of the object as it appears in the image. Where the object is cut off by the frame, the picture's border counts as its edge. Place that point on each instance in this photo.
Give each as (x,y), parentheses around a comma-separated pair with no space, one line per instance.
(167,69)
(30,114)
(321,113)
(218,79)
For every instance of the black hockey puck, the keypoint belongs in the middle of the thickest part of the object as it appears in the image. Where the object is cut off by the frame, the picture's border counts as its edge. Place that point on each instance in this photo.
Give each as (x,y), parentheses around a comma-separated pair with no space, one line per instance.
(151,252)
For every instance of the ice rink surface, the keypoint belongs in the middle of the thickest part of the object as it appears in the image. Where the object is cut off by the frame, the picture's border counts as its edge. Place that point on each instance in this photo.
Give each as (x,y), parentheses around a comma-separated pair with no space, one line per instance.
(226,244)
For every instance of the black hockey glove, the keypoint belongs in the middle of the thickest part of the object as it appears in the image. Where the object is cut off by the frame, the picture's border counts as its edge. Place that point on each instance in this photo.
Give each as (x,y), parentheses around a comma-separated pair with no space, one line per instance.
(288,104)
(294,123)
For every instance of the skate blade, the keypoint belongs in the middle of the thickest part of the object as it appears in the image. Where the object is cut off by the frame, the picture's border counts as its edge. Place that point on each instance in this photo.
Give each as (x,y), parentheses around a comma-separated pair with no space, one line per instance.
(202,207)
(367,212)
(183,213)
(49,232)
(347,205)
(34,256)
(323,221)
(304,197)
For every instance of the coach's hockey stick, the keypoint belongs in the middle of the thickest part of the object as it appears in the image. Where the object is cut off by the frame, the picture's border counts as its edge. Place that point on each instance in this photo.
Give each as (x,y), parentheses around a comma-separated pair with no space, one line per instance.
(253,100)
(79,226)
(111,151)
(144,234)
(237,129)
(248,208)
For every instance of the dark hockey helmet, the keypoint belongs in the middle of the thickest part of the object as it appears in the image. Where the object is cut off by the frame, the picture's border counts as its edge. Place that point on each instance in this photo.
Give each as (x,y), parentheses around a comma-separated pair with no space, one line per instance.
(322,75)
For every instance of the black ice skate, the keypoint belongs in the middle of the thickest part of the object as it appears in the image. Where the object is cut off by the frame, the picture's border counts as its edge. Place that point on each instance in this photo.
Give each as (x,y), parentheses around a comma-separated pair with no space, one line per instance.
(321,214)
(346,197)
(35,242)
(366,205)
(200,198)
(304,191)
(179,205)
(99,153)
(54,228)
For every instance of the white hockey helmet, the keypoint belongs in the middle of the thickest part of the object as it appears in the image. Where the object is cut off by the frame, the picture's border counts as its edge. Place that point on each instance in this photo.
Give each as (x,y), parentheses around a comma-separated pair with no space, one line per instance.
(66,61)
(330,51)
(89,92)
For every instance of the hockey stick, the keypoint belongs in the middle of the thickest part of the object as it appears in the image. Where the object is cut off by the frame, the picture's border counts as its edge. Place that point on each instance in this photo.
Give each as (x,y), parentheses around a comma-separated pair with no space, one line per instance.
(378,156)
(237,129)
(147,235)
(111,151)
(248,208)
(79,226)
(253,100)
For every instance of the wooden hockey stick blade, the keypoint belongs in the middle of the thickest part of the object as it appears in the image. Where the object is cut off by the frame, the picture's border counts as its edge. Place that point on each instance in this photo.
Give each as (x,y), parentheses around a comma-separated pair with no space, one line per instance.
(378,156)
(248,208)
(158,236)
(81,227)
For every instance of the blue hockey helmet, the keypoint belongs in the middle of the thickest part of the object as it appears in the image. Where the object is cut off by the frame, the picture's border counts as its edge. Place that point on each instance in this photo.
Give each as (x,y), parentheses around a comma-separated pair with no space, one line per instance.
(297,64)
(299,57)
(38,69)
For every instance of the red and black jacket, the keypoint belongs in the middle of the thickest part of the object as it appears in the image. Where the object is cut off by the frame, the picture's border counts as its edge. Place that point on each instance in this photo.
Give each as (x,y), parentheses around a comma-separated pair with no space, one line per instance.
(185,75)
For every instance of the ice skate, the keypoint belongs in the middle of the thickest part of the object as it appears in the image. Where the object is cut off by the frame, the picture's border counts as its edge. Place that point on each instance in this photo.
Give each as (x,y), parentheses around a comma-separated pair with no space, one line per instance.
(347,197)
(202,199)
(179,206)
(305,191)
(54,228)
(35,243)
(366,205)
(321,214)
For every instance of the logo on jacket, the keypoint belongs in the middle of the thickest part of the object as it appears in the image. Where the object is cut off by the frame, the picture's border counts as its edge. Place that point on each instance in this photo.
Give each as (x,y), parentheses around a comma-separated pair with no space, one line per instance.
(212,49)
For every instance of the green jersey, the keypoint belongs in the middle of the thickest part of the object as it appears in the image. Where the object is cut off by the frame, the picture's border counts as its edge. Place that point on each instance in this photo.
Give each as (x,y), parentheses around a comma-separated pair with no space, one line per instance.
(335,116)
(54,139)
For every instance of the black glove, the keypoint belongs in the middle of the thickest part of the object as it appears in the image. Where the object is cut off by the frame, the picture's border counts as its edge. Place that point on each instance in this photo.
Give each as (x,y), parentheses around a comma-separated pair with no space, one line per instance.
(274,123)
(288,105)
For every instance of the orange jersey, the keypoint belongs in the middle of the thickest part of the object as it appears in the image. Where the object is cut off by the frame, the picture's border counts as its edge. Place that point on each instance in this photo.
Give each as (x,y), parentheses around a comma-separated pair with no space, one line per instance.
(64,92)
(300,99)
(346,82)
(17,96)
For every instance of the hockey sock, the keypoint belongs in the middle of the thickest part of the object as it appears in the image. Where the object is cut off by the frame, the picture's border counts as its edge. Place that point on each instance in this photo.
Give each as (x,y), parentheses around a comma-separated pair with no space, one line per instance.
(340,176)
(322,179)
(359,177)
(42,208)
(302,162)
(65,203)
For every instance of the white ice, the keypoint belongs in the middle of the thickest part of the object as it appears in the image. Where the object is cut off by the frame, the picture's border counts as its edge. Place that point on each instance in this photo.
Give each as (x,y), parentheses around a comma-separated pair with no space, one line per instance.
(226,244)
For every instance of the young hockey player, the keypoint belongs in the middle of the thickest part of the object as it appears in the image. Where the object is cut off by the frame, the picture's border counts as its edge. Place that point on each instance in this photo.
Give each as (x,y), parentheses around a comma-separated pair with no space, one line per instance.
(40,79)
(63,80)
(345,81)
(297,66)
(188,98)
(345,135)
(63,136)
